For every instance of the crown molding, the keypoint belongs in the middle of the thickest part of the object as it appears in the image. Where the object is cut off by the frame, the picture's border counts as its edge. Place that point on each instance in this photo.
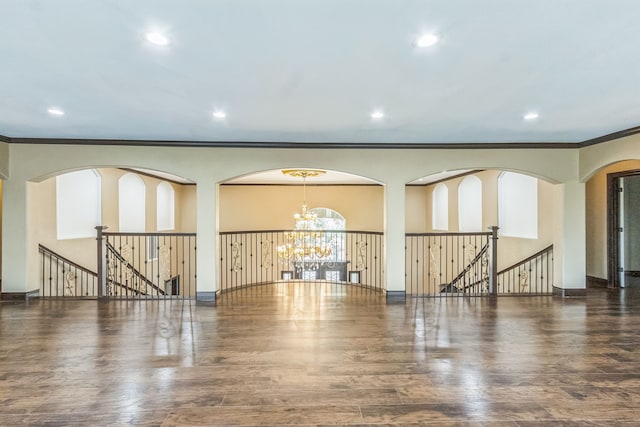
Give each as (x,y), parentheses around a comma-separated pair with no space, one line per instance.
(326,145)
(611,136)
(297,145)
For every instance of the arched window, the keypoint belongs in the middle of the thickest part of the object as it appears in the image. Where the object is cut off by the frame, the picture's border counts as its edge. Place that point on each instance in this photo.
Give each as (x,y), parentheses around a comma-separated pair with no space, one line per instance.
(131,203)
(165,207)
(470,204)
(328,219)
(78,204)
(331,220)
(518,205)
(440,207)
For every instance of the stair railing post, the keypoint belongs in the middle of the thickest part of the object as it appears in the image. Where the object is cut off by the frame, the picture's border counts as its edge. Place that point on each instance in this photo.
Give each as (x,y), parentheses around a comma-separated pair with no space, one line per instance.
(102,283)
(493,278)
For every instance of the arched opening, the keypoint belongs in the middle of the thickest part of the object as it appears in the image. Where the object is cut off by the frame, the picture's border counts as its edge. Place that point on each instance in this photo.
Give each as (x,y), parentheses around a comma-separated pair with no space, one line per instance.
(448,242)
(335,237)
(65,209)
(612,198)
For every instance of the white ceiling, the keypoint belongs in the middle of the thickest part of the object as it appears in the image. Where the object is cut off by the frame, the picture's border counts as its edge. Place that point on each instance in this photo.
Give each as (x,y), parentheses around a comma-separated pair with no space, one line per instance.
(314,70)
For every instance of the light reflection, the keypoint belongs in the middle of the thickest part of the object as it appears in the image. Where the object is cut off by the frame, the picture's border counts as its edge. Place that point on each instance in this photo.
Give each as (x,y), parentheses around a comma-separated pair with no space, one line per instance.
(174,333)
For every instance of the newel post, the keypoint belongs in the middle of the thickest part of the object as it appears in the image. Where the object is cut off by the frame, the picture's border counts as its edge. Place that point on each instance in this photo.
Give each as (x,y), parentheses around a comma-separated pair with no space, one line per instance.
(102,283)
(493,278)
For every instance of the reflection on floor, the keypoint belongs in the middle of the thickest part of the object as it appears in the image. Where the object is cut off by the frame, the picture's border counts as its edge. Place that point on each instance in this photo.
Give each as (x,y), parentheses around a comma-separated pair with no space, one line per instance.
(306,354)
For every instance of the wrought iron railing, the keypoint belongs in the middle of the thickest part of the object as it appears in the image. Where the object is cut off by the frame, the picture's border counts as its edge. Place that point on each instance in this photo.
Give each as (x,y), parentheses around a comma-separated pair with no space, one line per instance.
(249,258)
(450,264)
(61,277)
(149,265)
(533,275)
(163,265)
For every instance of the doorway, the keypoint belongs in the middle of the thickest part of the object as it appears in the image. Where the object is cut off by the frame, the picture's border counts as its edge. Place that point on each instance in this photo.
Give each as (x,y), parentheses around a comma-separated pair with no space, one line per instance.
(624,228)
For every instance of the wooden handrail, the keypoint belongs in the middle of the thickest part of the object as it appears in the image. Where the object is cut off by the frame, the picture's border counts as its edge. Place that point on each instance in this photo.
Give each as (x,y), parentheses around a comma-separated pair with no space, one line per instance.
(44,250)
(106,233)
(524,261)
(477,233)
(225,233)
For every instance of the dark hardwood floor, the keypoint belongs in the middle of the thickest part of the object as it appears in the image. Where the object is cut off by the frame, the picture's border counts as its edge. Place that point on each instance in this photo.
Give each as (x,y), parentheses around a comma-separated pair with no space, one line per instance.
(296,354)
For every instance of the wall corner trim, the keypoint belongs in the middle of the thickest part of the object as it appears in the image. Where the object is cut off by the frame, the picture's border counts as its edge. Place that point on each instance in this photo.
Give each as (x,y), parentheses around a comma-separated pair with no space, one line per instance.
(206,296)
(569,292)
(20,296)
(396,297)
(596,283)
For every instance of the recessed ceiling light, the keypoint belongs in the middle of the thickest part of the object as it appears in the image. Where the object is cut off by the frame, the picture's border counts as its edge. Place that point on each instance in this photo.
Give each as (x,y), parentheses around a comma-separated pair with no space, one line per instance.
(427,40)
(377,115)
(157,39)
(55,112)
(219,114)
(531,116)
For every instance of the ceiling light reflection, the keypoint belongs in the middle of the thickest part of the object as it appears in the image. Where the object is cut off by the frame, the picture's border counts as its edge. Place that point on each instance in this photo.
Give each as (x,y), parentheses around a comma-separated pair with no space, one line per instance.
(55,111)
(157,39)
(427,40)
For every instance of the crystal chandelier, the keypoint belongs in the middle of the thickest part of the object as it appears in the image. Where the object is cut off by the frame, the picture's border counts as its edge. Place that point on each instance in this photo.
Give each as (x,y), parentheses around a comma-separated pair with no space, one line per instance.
(305,247)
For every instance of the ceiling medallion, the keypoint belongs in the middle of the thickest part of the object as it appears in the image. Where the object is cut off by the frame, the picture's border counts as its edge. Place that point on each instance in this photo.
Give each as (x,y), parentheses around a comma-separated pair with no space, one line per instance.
(303,173)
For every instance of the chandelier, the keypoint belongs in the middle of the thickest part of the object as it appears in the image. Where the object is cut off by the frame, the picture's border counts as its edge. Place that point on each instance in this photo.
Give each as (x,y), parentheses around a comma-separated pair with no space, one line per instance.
(305,247)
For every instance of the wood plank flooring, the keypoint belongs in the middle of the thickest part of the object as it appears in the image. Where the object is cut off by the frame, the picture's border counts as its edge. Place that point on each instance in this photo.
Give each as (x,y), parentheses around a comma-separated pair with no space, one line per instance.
(304,354)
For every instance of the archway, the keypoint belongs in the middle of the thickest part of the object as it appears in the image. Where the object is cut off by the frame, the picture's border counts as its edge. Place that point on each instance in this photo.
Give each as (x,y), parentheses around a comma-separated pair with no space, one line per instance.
(612,228)
(139,259)
(336,236)
(449,241)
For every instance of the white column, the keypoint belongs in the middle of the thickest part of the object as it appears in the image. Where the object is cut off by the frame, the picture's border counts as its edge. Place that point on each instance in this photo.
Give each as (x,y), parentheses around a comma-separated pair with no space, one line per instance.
(570,266)
(15,240)
(206,240)
(394,230)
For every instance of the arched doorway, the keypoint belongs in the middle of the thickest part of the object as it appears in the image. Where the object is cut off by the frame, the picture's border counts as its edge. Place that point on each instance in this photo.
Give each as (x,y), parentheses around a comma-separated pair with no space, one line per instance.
(623,224)
(611,224)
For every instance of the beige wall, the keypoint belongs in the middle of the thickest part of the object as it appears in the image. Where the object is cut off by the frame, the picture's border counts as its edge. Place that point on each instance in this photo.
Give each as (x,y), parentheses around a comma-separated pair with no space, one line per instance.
(4,160)
(596,157)
(187,208)
(271,207)
(209,166)
(596,217)
(416,214)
